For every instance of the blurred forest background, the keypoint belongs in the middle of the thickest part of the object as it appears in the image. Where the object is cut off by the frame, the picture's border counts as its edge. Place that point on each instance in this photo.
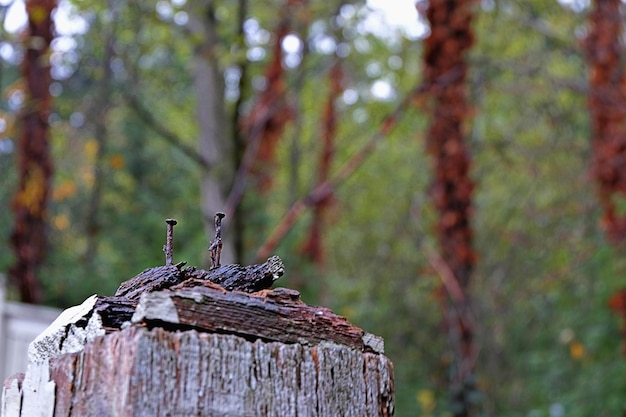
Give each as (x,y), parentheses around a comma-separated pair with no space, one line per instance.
(305,122)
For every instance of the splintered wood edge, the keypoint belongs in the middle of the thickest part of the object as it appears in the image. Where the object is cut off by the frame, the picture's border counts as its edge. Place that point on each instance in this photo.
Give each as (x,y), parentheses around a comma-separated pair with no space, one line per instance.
(279,317)
(34,396)
(63,336)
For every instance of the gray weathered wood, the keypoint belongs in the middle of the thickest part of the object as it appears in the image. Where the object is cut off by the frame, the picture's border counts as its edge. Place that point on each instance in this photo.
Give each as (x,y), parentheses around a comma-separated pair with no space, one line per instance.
(249,278)
(141,372)
(151,279)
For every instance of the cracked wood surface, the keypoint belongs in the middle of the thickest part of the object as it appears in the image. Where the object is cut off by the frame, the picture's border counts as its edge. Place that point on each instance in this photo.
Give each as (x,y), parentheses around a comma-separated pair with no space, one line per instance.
(141,372)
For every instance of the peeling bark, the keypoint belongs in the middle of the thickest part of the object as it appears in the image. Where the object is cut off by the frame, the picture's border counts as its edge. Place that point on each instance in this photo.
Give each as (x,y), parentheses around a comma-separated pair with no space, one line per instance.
(606,101)
(277,316)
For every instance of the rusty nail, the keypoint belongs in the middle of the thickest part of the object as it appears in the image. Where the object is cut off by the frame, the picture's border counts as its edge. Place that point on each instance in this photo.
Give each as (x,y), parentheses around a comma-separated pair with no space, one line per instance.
(169,244)
(216,245)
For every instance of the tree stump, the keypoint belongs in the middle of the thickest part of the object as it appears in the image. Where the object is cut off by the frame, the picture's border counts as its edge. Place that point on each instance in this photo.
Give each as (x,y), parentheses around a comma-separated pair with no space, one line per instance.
(193,348)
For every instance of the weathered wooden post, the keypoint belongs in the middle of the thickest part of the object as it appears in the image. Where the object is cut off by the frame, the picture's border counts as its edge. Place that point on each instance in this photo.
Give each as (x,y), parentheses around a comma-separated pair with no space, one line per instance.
(178,341)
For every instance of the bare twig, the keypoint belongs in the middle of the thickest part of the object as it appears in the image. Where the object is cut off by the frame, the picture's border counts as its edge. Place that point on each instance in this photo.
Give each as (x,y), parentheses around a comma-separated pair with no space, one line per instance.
(323,190)
(461,315)
(255,138)
(449,281)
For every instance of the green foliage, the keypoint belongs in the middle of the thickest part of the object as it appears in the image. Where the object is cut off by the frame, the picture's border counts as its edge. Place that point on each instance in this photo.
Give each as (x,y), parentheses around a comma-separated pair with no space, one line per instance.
(546,337)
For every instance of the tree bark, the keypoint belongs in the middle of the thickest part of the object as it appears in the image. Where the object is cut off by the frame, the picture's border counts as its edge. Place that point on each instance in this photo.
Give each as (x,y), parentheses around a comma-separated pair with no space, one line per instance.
(445,71)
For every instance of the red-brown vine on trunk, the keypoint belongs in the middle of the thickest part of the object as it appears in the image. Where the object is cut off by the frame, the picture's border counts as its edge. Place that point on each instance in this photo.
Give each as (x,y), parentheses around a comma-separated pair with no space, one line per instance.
(606,102)
(34,163)
(445,53)
(264,124)
(271,113)
(313,247)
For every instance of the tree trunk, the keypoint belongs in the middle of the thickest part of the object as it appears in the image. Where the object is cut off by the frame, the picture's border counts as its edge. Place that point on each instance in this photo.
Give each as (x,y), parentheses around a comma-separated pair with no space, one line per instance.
(28,238)
(213,141)
(445,69)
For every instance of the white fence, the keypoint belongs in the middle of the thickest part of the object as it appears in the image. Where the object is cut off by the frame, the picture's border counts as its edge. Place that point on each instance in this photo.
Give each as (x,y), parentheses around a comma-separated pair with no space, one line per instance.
(19,325)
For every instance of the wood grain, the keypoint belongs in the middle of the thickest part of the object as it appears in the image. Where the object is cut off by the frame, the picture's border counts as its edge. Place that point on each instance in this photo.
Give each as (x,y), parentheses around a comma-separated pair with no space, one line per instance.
(141,372)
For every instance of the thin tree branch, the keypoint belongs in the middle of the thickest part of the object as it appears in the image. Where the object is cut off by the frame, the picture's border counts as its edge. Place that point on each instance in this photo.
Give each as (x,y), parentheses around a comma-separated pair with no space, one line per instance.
(237,218)
(323,190)
(313,246)
(326,188)
(101,110)
(169,136)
